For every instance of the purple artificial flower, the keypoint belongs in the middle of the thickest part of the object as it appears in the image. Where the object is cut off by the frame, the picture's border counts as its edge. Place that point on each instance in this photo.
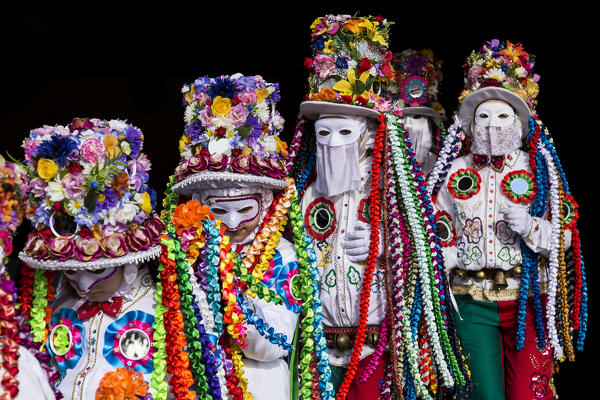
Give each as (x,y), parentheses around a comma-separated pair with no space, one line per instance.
(414,64)
(74,185)
(194,130)
(134,137)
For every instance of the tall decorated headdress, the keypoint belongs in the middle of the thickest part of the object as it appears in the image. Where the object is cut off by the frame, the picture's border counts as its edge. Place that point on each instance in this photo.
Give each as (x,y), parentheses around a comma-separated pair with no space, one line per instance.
(504,71)
(231,134)
(349,74)
(231,140)
(89,189)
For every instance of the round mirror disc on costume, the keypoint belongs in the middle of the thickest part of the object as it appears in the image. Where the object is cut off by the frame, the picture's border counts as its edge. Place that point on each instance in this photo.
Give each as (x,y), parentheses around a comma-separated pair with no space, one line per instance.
(464,183)
(320,218)
(519,186)
(61,340)
(134,344)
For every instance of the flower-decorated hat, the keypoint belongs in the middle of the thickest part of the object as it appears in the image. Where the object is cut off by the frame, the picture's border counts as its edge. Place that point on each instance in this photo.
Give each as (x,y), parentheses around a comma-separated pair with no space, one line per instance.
(500,71)
(350,67)
(13,206)
(231,134)
(417,78)
(89,189)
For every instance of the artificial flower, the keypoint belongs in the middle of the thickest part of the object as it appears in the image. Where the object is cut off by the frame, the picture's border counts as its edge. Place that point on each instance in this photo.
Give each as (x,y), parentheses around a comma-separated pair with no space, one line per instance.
(221,106)
(353,87)
(46,169)
(92,151)
(325,93)
(323,65)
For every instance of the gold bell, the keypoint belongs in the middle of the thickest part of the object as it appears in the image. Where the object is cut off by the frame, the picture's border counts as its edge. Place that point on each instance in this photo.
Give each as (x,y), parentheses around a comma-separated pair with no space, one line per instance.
(480,274)
(516,271)
(342,341)
(372,338)
(500,280)
(460,273)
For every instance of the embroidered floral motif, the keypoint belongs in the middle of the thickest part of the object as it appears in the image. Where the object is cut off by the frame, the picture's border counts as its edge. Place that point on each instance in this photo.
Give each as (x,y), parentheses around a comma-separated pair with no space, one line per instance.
(331,278)
(504,234)
(445,228)
(473,230)
(539,384)
(353,276)
(464,183)
(320,218)
(519,186)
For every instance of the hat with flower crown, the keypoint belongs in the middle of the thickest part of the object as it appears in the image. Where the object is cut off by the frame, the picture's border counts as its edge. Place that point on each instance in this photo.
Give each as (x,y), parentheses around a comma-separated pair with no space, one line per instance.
(499,71)
(231,135)
(13,207)
(89,191)
(417,79)
(349,68)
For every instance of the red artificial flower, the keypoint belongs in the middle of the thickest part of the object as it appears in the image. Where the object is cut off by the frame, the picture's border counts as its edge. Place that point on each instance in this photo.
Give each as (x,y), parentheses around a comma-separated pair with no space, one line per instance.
(220,132)
(361,100)
(308,62)
(364,65)
(56,206)
(379,18)
(86,233)
(74,167)
(208,102)
(236,152)
(235,101)
(346,99)
(491,82)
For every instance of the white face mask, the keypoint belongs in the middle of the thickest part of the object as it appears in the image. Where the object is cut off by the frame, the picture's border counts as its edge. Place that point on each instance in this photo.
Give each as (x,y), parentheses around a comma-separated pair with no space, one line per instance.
(495,131)
(494,113)
(419,133)
(234,211)
(84,280)
(337,154)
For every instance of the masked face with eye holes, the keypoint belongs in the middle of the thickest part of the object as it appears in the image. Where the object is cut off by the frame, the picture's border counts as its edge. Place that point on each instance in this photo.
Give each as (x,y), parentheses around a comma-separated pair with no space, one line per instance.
(497,130)
(95,285)
(241,215)
(337,139)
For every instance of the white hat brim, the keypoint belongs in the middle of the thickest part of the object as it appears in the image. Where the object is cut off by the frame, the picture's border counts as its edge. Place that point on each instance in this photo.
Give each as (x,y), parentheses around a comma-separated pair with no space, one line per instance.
(427,111)
(467,109)
(313,109)
(103,262)
(215,179)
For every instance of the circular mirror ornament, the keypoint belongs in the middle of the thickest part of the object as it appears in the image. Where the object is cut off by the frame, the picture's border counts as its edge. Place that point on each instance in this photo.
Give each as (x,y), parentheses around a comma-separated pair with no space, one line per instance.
(134,344)
(61,340)
(519,186)
(464,183)
(364,211)
(445,229)
(63,225)
(569,211)
(319,218)
(414,91)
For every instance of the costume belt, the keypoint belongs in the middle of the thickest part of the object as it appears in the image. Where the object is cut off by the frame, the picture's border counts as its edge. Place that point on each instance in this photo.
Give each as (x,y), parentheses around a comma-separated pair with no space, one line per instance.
(496,274)
(342,338)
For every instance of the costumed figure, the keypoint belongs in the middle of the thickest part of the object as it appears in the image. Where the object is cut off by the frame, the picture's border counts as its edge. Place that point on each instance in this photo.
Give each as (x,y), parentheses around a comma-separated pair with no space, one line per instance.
(365,206)
(25,371)
(243,289)
(94,231)
(414,90)
(506,217)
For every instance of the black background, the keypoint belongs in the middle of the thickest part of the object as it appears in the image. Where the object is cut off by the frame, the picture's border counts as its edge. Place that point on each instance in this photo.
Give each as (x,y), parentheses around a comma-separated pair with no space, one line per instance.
(132,65)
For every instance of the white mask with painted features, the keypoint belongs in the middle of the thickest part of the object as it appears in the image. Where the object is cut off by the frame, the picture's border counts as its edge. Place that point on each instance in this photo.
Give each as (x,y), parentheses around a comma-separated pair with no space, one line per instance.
(84,281)
(419,133)
(234,211)
(496,130)
(337,153)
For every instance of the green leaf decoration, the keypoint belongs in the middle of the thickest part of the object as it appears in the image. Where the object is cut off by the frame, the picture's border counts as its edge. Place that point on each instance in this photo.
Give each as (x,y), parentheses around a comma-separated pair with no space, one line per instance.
(90,200)
(244,131)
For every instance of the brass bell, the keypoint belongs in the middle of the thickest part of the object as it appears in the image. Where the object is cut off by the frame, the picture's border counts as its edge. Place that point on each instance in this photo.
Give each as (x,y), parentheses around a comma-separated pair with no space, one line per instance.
(342,341)
(460,273)
(516,271)
(500,280)
(372,338)
(480,274)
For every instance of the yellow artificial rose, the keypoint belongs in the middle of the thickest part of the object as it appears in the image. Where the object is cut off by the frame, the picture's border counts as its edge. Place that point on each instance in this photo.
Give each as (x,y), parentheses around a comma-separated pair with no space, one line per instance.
(532,88)
(221,105)
(522,93)
(47,169)
(111,143)
(261,94)
(146,205)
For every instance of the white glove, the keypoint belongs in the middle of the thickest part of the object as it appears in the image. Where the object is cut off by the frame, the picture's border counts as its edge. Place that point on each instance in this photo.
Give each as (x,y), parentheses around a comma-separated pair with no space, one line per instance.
(518,219)
(358,241)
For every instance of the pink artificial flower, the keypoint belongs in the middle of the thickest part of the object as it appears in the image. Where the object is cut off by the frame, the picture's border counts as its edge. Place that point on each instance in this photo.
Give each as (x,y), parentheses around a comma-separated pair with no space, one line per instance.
(475,72)
(205,115)
(30,150)
(380,104)
(324,65)
(248,97)
(92,151)
(73,184)
(238,115)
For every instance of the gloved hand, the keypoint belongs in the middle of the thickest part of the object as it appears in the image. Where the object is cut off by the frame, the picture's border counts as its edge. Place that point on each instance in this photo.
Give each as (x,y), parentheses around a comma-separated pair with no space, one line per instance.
(518,219)
(358,241)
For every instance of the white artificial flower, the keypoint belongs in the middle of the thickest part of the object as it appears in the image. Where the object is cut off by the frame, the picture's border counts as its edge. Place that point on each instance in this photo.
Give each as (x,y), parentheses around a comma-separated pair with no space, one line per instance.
(138,198)
(110,216)
(352,64)
(373,71)
(117,125)
(190,114)
(521,72)
(73,207)
(125,148)
(495,73)
(186,152)
(185,89)
(126,213)
(262,112)
(220,145)
(55,191)
(236,76)
(269,144)
(222,121)
(278,121)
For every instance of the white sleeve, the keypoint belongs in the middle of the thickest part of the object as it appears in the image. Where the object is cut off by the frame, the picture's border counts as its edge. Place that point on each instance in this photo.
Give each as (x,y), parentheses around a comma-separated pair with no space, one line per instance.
(539,237)
(33,381)
(277,317)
